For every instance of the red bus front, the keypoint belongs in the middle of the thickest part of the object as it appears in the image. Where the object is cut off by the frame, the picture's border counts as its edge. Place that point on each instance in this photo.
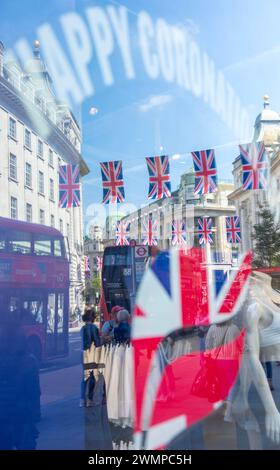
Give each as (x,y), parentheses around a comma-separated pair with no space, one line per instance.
(34,285)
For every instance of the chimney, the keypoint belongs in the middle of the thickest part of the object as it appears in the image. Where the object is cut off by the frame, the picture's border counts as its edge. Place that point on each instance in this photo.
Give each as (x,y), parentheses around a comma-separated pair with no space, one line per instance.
(2,50)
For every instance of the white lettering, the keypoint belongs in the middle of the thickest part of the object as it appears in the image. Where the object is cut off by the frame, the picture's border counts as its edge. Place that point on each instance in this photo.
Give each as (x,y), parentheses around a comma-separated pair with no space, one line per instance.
(236,117)
(230,101)
(180,48)
(221,96)
(146,37)
(244,125)
(103,39)
(209,82)
(165,50)
(195,68)
(120,25)
(79,43)
(60,70)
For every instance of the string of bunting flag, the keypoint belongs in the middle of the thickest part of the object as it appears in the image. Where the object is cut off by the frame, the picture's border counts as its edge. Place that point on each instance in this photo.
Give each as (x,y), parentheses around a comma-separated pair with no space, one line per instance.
(150,237)
(254,162)
(254,172)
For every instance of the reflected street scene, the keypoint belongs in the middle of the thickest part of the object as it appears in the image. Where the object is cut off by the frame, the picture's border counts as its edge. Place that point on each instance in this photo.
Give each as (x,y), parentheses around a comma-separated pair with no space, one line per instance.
(139,226)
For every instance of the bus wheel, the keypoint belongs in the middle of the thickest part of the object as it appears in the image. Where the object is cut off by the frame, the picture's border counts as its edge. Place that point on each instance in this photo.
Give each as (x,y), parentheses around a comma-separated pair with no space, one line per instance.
(34,347)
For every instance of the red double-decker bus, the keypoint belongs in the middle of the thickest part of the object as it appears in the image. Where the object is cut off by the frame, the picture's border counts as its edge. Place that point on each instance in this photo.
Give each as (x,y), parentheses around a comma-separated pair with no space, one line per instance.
(34,285)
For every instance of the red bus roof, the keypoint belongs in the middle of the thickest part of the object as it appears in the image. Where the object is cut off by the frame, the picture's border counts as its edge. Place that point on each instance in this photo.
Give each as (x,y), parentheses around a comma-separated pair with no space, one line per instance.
(28,227)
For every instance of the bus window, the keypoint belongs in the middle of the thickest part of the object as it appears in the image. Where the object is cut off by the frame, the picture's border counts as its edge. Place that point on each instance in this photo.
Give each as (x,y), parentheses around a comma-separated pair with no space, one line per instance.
(50,338)
(32,312)
(60,311)
(51,313)
(61,344)
(58,249)
(19,242)
(42,245)
(118,259)
(14,308)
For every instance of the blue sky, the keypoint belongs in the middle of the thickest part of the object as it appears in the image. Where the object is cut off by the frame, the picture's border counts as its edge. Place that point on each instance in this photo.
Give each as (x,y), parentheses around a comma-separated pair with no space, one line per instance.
(241,37)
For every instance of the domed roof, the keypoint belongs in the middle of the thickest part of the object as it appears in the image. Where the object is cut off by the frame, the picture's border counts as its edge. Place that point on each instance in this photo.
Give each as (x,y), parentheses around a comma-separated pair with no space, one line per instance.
(36,65)
(267,124)
(267,115)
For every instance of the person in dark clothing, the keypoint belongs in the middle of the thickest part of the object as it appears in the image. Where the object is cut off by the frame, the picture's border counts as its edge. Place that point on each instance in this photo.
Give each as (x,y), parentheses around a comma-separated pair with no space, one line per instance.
(122,332)
(89,331)
(90,335)
(19,391)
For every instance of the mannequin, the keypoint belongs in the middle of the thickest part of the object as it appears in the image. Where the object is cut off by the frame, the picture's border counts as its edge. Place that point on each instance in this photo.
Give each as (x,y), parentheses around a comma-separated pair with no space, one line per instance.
(262,323)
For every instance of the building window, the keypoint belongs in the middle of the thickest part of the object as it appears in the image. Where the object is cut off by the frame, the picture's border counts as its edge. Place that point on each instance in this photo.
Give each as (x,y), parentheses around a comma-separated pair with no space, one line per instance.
(13,167)
(68,232)
(27,138)
(50,157)
(52,189)
(61,225)
(28,175)
(41,183)
(52,220)
(40,149)
(42,217)
(28,212)
(14,208)
(12,128)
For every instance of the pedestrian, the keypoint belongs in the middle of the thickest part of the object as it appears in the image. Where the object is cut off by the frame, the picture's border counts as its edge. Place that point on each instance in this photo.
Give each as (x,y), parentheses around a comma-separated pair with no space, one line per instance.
(107,331)
(90,336)
(19,391)
(122,331)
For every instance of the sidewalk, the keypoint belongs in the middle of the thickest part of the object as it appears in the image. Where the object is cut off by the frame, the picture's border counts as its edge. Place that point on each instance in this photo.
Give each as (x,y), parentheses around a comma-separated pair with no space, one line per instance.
(60,384)
(62,426)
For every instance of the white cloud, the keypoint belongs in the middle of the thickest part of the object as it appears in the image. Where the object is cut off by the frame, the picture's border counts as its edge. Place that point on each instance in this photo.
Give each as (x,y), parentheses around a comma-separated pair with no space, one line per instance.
(154,101)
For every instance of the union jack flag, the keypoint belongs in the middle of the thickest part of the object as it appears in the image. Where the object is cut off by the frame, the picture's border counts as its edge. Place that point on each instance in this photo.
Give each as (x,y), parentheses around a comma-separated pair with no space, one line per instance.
(112,182)
(233,229)
(205,231)
(122,233)
(149,232)
(159,177)
(254,165)
(69,186)
(205,172)
(99,263)
(87,267)
(179,236)
(168,300)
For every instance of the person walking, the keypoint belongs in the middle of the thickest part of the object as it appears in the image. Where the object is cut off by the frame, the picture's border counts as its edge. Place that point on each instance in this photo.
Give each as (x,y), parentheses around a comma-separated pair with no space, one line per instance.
(19,391)
(122,332)
(107,331)
(90,336)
